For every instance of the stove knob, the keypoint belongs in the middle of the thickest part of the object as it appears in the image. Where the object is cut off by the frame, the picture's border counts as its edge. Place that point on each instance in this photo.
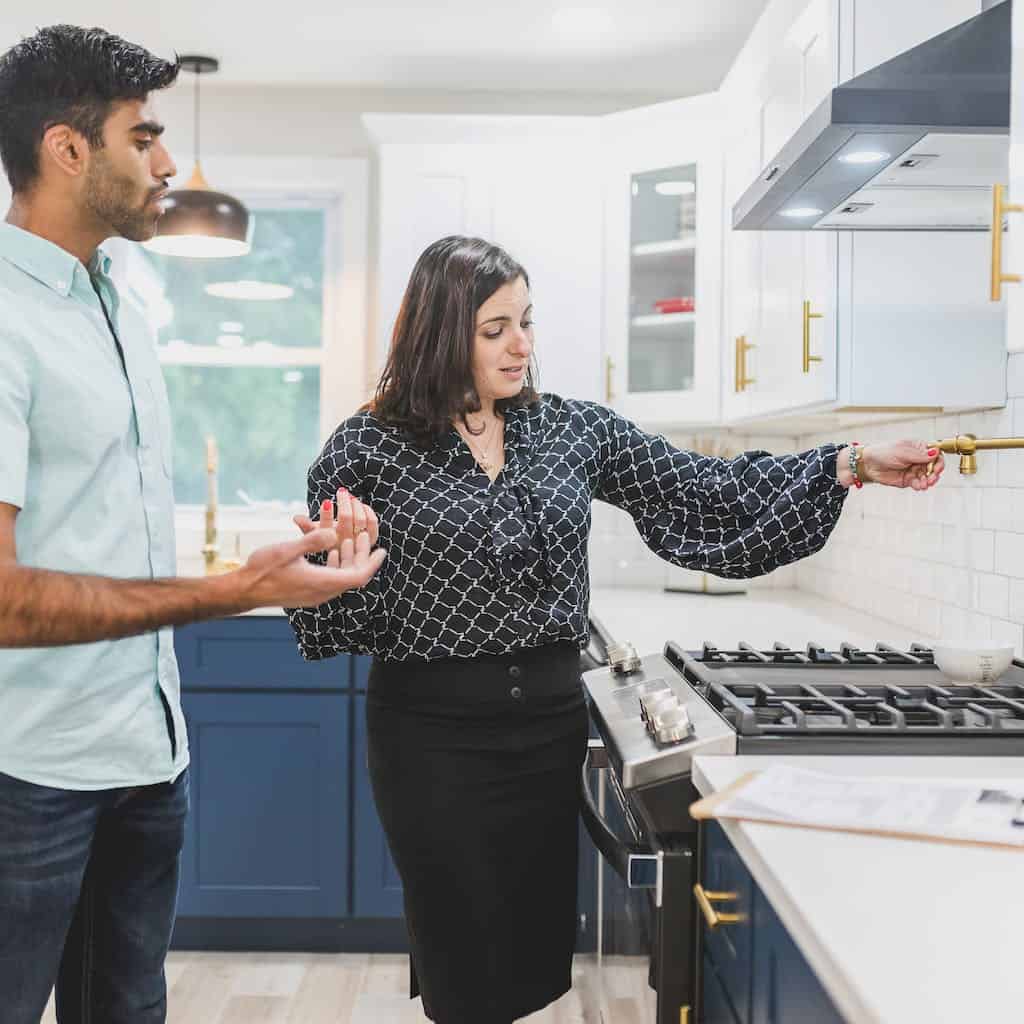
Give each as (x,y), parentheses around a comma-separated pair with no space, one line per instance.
(654,704)
(673,726)
(623,659)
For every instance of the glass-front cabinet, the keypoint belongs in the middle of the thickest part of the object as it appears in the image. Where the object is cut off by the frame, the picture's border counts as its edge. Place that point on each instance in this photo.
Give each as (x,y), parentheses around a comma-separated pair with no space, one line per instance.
(662,279)
(662,232)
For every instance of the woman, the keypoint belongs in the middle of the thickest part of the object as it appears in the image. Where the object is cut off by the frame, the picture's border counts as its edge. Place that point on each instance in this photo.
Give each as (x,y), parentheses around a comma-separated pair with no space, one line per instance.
(476,719)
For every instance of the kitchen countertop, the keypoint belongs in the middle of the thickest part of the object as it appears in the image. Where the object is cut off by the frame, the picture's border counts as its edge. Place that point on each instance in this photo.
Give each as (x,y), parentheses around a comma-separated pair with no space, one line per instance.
(648,616)
(898,931)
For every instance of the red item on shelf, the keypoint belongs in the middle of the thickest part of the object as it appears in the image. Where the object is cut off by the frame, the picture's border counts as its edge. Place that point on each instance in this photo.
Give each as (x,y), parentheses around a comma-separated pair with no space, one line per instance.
(679,304)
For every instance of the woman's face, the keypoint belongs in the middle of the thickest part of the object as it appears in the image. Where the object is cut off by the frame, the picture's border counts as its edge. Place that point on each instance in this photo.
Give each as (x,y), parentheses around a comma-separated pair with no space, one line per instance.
(503,342)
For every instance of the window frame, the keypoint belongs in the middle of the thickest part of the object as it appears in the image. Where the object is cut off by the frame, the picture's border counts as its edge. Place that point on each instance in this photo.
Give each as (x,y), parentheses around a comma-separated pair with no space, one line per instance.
(341,188)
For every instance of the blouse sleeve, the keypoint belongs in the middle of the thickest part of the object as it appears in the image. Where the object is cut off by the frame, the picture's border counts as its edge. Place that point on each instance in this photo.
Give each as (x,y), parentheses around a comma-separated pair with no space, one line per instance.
(346,623)
(736,517)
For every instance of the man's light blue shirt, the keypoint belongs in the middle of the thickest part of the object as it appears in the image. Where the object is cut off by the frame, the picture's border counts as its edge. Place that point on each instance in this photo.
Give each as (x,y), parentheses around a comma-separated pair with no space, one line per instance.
(85,453)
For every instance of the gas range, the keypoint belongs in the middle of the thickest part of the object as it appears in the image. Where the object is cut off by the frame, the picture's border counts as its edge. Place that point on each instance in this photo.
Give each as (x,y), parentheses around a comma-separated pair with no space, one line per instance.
(785,701)
(656,713)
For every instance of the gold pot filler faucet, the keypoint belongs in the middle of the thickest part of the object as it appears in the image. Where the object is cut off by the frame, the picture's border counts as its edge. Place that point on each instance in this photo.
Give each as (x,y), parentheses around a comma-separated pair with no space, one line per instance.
(967,445)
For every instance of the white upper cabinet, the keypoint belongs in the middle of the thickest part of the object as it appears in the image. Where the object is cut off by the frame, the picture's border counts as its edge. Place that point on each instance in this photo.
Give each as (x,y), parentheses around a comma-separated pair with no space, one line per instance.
(662,301)
(1011,259)
(847,320)
(527,184)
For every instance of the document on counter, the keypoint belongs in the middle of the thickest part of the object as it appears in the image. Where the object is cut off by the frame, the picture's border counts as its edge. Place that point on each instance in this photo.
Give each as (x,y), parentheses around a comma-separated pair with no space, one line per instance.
(943,811)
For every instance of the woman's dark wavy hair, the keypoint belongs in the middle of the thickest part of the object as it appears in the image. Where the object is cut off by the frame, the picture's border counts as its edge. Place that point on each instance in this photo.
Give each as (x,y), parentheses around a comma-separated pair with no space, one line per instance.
(68,75)
(427,383)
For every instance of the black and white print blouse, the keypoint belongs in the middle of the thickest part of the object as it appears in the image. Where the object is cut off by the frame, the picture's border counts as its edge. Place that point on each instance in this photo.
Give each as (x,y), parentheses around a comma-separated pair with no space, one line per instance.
(476,567)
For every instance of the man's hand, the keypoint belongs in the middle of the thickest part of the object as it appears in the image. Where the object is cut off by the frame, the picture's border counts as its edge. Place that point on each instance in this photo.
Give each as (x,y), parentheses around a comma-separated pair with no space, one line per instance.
(280,575)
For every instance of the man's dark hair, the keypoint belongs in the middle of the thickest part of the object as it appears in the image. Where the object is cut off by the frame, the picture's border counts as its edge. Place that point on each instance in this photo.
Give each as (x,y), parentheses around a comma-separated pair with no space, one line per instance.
(68,75)
(427,382)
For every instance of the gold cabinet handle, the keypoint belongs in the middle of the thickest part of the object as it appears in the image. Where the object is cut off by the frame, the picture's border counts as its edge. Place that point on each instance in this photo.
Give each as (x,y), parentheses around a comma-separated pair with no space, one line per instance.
(705,899)
(741,380)
(808,317)
(609,372)
(999,209)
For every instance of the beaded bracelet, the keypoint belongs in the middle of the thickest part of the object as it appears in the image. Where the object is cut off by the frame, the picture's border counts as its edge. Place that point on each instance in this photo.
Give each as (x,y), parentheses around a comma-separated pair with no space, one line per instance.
(855,454)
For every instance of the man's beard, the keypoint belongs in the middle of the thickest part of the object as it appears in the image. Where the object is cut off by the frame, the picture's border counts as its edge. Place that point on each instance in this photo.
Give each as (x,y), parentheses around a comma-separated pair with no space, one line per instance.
(113,198)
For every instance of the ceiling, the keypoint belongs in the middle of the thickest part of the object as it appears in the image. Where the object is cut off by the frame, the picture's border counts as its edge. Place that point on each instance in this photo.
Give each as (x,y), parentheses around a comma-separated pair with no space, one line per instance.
(628,48)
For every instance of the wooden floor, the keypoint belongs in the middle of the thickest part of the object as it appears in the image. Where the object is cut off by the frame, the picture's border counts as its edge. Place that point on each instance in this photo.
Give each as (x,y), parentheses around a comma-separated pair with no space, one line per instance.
(306,988)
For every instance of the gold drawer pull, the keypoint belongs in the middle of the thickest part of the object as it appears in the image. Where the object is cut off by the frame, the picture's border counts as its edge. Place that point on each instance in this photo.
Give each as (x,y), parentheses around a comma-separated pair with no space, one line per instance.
(999,209)
(705,899)
(742,381)
(808,317)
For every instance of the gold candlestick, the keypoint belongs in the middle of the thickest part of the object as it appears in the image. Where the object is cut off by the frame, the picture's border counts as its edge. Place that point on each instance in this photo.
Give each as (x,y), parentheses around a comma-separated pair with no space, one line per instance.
(211,550)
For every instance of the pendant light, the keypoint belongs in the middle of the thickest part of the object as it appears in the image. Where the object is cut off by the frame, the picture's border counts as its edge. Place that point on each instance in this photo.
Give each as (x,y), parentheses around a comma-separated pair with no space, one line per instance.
(198,221)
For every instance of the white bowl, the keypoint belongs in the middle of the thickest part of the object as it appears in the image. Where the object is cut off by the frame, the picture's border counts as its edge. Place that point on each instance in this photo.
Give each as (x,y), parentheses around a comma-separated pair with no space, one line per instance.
(973,664)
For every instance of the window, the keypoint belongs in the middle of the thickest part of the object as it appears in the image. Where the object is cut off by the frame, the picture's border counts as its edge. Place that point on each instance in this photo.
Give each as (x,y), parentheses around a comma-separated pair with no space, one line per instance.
(242,342)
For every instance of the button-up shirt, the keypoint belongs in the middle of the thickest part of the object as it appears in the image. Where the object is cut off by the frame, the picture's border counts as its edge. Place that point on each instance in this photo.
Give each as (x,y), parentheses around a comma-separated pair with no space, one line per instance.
(85,454)
(476,567)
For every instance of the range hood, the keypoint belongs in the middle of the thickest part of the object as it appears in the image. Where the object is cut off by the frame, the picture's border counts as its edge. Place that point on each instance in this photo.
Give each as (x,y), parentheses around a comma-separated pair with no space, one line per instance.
(915,144)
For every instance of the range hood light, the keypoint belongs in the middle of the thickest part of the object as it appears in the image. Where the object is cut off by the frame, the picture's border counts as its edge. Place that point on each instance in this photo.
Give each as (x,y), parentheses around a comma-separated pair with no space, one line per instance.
(865,157)
(802,211)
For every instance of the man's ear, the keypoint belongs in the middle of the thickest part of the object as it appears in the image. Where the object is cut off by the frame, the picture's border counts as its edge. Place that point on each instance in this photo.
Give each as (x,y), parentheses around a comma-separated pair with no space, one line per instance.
(64,149)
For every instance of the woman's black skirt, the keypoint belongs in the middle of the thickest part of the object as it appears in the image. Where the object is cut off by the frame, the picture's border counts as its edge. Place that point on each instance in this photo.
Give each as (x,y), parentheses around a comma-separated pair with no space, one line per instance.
(475,767)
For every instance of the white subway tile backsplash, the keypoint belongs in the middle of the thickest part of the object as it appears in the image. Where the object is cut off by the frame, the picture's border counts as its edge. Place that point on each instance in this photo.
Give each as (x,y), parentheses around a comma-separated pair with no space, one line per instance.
(982,549)
(992,595)
(1008,634)
(996,507)
(1017,600)
(1009,554)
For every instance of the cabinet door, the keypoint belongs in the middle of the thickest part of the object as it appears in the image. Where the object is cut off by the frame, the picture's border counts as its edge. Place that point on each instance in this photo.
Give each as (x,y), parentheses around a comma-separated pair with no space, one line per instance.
(267,835)
(378,889)
(729,946)
(741,336)
(716,1008)
(785,989)
(663,262)
(1013,249)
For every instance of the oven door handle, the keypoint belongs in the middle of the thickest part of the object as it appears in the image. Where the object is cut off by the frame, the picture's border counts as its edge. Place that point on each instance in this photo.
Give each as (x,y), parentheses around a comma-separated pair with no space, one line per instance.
(637,865)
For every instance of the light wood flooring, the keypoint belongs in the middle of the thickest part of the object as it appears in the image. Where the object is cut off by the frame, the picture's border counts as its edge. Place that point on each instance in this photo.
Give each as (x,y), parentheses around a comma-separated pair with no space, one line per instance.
(349,988)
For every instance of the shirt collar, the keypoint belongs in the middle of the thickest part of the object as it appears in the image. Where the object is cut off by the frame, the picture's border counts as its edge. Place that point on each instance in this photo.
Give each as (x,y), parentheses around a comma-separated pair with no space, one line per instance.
(44,260)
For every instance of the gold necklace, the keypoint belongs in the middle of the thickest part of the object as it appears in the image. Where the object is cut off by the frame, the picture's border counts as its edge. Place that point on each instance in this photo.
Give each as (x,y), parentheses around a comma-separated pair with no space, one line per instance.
(481,453)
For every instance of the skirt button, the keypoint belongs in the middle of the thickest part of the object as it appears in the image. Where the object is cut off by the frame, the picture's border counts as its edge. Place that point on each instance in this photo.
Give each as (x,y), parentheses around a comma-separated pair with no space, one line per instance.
(516,693)
(515,671)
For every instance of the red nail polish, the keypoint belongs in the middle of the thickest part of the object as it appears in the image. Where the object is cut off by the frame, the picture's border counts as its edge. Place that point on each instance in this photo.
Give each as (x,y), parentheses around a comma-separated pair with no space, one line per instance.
(933,452)
(326,505)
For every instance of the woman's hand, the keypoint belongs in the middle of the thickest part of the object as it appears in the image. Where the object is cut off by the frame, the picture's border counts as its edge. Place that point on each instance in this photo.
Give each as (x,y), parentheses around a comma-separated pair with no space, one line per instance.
(896,464)
(354,519)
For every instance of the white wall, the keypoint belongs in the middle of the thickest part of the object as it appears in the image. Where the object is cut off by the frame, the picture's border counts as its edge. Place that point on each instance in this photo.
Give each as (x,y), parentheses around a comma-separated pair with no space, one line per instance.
(949,563)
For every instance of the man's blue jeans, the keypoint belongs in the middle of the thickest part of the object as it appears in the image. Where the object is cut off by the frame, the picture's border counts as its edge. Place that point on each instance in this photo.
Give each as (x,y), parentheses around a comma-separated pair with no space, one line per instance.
(88,884)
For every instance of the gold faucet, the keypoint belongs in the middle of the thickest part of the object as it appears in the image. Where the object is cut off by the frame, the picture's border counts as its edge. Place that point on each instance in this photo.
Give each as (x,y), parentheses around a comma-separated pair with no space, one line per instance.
(211,552)
(966,445)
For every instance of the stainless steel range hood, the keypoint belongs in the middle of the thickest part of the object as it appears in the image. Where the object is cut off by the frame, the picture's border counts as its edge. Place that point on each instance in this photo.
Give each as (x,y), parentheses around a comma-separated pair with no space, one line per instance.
(914,144)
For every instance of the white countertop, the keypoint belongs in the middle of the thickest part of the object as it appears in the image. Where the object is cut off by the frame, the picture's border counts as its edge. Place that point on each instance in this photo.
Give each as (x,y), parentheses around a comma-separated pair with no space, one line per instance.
(898,931)
(648,617)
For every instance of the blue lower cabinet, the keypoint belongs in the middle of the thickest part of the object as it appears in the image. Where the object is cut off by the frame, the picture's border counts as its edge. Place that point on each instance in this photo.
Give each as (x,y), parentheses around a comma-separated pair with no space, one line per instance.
(753,972)
(378,889)
(268,832)
(730,945)
(785,989)
(717,1008)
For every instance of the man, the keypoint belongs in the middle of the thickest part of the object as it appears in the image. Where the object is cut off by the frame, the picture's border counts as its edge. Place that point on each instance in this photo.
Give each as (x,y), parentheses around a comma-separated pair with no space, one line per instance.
(93,752)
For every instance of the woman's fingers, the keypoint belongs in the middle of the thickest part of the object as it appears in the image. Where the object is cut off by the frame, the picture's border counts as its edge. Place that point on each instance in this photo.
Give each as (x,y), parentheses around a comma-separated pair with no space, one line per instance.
(344,527)
(372,526)
(358,518)
(327,514)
